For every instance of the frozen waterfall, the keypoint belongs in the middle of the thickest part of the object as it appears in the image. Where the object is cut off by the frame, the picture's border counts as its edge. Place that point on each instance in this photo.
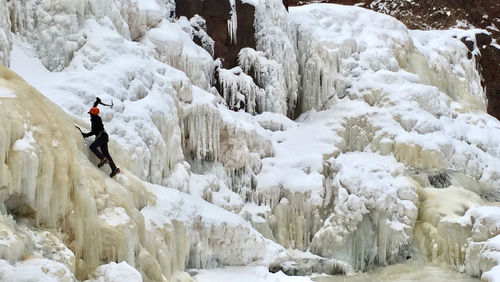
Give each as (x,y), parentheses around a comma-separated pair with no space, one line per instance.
(342,143)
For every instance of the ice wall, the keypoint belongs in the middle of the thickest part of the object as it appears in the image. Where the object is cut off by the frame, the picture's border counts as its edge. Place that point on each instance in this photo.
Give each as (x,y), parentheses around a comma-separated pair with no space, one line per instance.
(212,134)
(123,71)
(126,72)
(115,69)
(373,103)
(48,183)
(384,112)
(371,100)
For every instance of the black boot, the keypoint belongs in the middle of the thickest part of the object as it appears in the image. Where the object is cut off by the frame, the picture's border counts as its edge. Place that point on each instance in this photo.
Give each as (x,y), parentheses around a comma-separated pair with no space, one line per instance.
(114,172)
(104,161)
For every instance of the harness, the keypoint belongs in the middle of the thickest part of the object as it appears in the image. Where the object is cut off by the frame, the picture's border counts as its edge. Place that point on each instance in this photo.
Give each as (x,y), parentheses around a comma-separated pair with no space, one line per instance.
(99,134)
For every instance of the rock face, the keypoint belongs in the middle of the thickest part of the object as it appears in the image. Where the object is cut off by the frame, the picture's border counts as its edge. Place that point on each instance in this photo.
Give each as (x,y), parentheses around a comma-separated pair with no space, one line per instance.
(217,14)
(443,14)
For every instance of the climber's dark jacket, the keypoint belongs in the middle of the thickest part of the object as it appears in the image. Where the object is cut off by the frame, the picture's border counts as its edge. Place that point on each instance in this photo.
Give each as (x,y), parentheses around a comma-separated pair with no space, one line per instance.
(96,126)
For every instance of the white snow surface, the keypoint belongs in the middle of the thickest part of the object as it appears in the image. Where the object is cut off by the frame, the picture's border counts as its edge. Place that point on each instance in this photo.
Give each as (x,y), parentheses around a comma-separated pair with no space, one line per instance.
(382,112)
(35,270)
(115,272)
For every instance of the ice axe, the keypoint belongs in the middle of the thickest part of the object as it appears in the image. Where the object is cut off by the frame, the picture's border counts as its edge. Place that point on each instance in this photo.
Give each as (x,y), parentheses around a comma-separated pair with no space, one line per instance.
(79,129)
(98,101)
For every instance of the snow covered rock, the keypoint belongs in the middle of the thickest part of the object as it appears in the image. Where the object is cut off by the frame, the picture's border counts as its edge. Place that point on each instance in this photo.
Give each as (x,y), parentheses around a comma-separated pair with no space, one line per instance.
(115,272)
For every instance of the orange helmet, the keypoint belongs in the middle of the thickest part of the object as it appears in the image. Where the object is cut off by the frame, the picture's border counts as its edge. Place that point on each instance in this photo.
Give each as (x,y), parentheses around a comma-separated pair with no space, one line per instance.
(94,111)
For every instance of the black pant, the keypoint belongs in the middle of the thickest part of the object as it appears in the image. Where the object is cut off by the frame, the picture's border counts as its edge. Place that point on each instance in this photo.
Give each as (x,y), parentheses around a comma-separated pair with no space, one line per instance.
(102,142)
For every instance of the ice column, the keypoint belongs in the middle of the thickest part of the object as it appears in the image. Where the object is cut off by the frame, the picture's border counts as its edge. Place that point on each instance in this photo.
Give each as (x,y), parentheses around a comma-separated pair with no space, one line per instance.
(276,38)
(232,23)
(200,131)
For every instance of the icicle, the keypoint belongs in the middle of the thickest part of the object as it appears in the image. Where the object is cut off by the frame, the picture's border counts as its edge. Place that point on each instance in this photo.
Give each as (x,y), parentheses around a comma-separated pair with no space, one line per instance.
(200,130)
(232,23)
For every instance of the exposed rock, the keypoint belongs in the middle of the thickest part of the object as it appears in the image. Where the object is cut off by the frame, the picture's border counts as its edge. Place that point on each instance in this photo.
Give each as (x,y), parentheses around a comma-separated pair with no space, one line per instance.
(490,71)
(483,40)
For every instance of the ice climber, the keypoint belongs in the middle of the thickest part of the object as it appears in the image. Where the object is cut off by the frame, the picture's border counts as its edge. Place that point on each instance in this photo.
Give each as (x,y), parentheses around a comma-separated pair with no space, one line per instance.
(101,139)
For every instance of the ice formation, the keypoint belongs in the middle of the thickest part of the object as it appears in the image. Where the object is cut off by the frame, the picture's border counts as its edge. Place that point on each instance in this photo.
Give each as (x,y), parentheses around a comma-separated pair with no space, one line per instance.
(232,23)
(374,211)
(48,182)
(275,35)
(239,90)
(181,52)
(270,77)
(390,152)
